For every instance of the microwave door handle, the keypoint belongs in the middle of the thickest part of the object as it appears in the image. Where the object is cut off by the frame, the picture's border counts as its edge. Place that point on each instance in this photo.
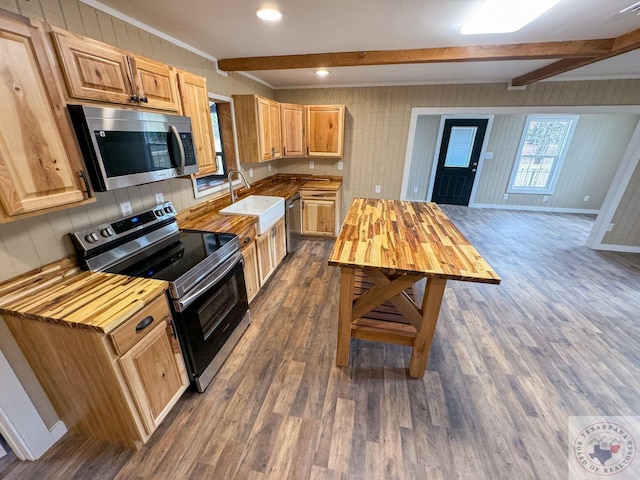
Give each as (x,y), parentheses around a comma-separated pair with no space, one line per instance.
(174,132)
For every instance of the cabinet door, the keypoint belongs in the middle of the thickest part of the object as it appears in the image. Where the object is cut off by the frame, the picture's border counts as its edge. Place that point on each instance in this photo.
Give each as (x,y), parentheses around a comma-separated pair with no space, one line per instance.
(325,130)
(279,241)
(39,160)
(276,136)
(318,217)
(195,104)
(156,84)
(154,375)
(266,264)
(95,71)
(264,130)
(251,278)
(292,117)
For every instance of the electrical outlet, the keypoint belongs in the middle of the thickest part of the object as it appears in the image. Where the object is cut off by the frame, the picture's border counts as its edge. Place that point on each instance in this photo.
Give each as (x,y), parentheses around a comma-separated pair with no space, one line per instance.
(505,196)
(377,188)
(312,164)
(251,173)
(545,198)
(415,189)
(609,227)
(340,166)
(125,208)
(586,198)
(269,167)
(159,198)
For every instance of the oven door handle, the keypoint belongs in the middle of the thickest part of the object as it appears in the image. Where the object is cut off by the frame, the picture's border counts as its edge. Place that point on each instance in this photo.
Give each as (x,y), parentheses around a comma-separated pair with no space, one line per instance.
(209,281)
(174,132)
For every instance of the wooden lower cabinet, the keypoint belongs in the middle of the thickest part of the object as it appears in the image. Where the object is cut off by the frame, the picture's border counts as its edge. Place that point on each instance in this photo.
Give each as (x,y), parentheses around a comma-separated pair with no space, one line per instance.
(251,278)
(117,386)
(272,248)
(320,213)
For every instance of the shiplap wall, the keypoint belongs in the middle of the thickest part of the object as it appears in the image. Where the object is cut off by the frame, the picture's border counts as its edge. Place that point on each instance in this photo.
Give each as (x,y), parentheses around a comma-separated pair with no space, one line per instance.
(21,243)
(378,121)
(626,220)
(424,149)
(596,149)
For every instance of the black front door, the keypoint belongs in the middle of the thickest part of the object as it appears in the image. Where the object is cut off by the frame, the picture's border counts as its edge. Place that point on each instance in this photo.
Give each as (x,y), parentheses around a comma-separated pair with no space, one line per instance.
(458,160)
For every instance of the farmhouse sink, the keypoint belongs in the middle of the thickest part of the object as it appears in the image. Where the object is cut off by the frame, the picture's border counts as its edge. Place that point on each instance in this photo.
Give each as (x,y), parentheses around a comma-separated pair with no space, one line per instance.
(268,210)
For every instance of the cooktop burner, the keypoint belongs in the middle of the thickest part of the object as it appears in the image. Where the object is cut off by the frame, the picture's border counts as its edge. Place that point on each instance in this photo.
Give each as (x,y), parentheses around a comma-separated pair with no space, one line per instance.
(189,249)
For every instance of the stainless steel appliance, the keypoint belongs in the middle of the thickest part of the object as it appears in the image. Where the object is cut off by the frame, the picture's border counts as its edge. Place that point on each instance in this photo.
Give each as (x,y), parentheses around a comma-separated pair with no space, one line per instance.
(293,222)
(122,148)
(205,273)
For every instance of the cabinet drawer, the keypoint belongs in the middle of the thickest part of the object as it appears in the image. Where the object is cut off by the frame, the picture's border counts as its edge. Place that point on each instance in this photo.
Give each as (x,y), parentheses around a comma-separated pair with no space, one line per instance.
(247,236)
(318,194)
(139,325)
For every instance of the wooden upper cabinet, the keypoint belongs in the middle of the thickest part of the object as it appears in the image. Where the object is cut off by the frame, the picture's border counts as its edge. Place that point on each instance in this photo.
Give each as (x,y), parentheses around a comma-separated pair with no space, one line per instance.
(96,71)
(40,164)
(195,104)
(325,130)
(292,117)
(258,128)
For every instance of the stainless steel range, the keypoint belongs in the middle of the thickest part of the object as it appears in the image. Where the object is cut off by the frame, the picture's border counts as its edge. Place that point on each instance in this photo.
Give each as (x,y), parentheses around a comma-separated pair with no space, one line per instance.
(205,273)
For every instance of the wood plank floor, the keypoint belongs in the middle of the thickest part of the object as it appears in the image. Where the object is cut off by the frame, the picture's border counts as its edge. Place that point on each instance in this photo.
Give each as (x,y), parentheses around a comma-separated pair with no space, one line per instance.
(509,364)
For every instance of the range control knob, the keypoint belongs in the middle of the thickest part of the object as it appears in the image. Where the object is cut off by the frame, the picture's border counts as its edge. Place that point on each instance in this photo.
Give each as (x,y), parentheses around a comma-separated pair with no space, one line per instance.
(158,213)
(169,209)
(106,232)
(92,237)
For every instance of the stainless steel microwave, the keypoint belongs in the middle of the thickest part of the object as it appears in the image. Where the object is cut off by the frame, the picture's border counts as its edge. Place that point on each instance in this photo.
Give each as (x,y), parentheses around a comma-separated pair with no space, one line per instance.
(122,148)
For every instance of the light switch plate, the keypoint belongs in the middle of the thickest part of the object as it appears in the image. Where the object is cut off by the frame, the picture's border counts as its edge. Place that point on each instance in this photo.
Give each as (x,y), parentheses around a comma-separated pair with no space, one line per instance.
(377,188)
(125,208)
(312,164)
(340,165)
(159,198)
(269,167)
(415,189)
(545,198)
(251,173)
(505,196)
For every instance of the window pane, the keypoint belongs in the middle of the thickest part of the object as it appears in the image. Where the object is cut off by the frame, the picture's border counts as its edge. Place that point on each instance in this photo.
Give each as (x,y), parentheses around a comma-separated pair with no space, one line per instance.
(541,153)
(217,141)
(460,146)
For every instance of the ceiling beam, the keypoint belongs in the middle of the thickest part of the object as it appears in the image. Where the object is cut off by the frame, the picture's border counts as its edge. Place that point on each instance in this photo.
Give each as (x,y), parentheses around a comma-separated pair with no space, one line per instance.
(622,44)
(520,51)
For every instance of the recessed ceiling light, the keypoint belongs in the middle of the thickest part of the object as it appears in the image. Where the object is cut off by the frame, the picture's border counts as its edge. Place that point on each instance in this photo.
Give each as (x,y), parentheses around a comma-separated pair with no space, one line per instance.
(269,14)
(322,72)
(505,16)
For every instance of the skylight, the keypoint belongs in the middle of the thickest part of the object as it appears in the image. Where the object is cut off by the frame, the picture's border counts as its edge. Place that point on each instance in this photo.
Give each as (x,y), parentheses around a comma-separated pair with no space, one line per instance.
(505,16)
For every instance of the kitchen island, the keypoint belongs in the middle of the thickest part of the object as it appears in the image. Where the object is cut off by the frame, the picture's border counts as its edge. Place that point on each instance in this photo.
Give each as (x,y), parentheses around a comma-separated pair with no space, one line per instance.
(394,244)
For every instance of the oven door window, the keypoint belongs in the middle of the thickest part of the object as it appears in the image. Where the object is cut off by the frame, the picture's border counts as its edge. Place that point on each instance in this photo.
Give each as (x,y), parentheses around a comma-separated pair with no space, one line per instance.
(212,313)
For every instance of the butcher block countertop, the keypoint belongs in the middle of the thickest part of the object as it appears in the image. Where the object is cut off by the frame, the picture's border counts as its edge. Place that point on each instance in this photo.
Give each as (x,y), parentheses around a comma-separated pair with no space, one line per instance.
(407,237)
(62,293)
(205,216)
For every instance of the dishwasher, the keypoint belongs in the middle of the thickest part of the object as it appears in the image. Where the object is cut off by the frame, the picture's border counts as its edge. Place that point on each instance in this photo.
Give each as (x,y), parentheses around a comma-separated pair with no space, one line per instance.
(293,222)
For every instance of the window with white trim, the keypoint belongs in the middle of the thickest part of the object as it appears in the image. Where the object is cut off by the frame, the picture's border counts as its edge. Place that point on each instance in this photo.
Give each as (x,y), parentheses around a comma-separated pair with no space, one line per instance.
(544,144)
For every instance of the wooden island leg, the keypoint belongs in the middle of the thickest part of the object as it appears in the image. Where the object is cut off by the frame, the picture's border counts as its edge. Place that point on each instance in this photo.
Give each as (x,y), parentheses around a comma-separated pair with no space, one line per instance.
(347,280)
(431,303)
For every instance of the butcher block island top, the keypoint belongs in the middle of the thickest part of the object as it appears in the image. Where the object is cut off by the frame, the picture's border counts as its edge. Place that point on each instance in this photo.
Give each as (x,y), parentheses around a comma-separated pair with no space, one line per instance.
(407,237)
(62,293)
(383,249)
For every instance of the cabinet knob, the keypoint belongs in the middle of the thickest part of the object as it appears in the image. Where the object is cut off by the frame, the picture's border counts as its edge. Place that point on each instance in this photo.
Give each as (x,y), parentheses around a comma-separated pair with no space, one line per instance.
(144,99)
(134,98)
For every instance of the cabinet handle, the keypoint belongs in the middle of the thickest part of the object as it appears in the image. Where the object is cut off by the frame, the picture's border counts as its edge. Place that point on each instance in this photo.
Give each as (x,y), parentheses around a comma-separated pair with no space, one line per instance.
(284,151)
(307,151)
(246,240)
(83,176)
(144,323)
(134,98)
(273,151)
(144,99)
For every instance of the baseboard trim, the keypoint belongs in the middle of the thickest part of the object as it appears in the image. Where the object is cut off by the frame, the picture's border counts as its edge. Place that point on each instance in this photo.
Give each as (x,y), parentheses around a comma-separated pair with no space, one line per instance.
(535,209)
(617,248)
(58,431)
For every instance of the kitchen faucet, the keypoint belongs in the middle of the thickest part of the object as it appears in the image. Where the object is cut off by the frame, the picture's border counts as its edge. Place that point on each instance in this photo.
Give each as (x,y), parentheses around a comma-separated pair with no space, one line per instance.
(234,197)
